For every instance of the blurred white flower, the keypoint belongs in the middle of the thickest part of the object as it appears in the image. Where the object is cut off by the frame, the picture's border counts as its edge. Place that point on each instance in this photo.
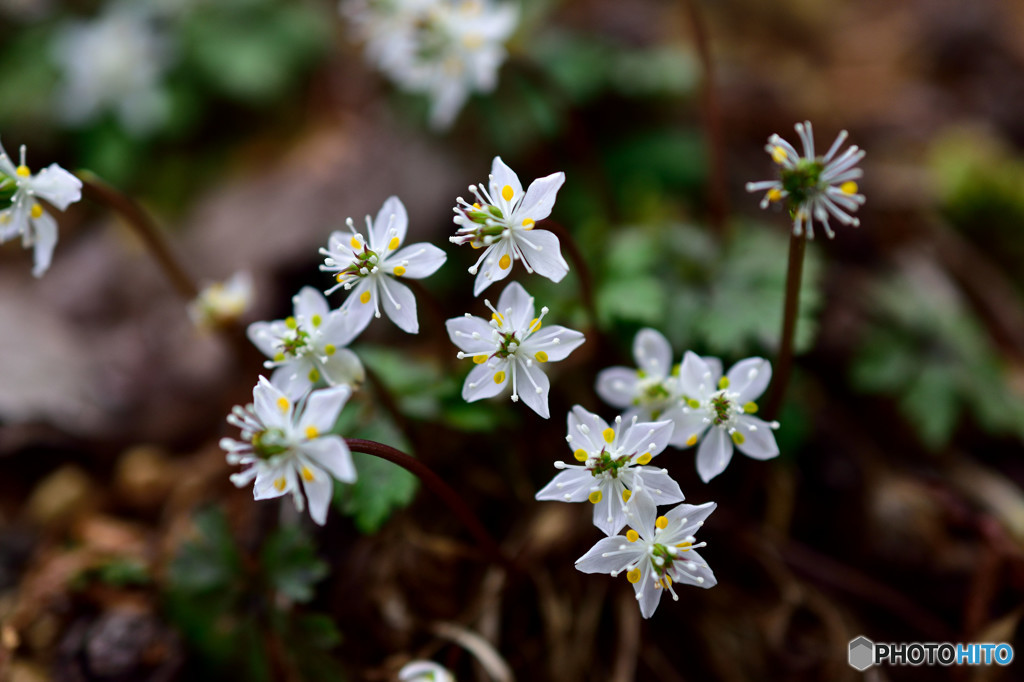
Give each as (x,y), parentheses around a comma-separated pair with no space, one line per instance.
(370,266)
(651,389)
(502,222)
(222,303)
(445,49)
(724,408)
(655,553)
(612,474)
(115,62)
(511,349)
(284,443)
(813,187)
(424,671)
(24,215)
(309,347)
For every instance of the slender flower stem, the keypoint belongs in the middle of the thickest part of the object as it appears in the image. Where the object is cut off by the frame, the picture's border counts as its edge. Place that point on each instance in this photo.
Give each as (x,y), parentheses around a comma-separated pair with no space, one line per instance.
(438,487)
(146,229)
(718,203)
(783,363)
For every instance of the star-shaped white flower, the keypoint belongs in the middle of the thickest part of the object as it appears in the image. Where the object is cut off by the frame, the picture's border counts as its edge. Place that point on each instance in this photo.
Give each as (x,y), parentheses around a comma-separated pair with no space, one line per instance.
(648,391)
(424,671)
(308,347)
(222,303)
(502,222)
(655,553)
(813,187)
(284,443)
(369,267)
(511,349)
(25,216)
(722,410)
(613,471)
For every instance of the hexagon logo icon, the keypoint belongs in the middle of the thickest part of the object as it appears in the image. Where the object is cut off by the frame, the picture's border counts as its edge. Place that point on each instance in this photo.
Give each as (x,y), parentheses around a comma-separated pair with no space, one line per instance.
(862,653)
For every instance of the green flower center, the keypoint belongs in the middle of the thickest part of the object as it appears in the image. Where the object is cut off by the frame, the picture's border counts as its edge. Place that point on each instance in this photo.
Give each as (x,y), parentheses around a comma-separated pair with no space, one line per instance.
(722,407)
(268,443)
(606,464)
(802,182)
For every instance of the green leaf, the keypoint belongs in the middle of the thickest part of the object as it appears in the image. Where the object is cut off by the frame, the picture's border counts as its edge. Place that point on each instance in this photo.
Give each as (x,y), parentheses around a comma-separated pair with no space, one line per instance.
(291,564)
(381,488)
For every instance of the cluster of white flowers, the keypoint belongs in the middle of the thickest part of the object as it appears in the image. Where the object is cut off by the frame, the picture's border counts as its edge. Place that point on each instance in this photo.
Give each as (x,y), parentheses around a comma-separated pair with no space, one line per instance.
(445,49)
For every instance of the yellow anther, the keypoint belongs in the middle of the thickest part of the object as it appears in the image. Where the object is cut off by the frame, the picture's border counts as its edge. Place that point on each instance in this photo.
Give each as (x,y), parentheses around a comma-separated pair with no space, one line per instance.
(723,382)
(750,408)
(693,404)
(283,404)
(291,323)
(23,171)
(633,576)
(364,297)
(504,262)
(774,194)
(626,494)
(316,320)
(580,455)
(37,211)
(632,535)
(311,432)
(528,223)
(779,154)
(314,375)
(399,270)
(608,435)
(691,441)
(661,522)
(472,41)
(644,458)
(279,357)
(675,369)
(594,497)
(849,187)
(307,475)
(506,193)
(499,377)
(535,324)
(280,483)
(738,438)
(541,356)
(356,244)
(339,277)
(330,349)
(685,546)
(393,244)
(498,317)
(476,205)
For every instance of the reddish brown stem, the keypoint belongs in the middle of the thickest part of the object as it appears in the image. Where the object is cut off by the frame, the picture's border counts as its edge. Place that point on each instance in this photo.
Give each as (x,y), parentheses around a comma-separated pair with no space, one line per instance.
(784,361)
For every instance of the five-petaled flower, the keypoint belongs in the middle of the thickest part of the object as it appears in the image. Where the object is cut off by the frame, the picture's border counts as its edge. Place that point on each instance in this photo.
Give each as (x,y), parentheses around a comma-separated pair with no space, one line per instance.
(612,472)
(370,266)
(284,443)
(648,391)
(502,221)
(655,553)
(813,187)
(724,408)
(511,349)
(24,215)
(309,346)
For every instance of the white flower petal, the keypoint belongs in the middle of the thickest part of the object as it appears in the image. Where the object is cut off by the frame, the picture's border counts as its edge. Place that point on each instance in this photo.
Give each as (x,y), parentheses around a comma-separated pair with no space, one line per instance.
(689,422)
(481,384)
(264,335)
(759,443)
(609,516)
(471,334)
(268,401)
(491,270)
(542,252)
(331,453)
(322,409)
(502,176)
(696,379)
(649,595)
(658,485)
(714,454)
(357,313)
(338,330)
(516,305)
(292,378)
(273,482)
(399,304)
(533,387)
(308,303)
(648,437)
(392,222)
(343,368)
(319,489)
(700,569)
(540,198)
(570,485)
(45,239)
(653,353)
(57,186)
(419,260)
(556,341)
(617,386)
(586,429)
(749,378)
(621,554)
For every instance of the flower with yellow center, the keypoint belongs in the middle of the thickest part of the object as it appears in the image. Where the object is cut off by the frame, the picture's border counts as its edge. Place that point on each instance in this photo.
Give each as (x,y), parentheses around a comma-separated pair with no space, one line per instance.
(502,222)
(222,303)
(612,472)
(658,552)
(288,447)
(370,266)
(20,210)
(813,187)
(511,349)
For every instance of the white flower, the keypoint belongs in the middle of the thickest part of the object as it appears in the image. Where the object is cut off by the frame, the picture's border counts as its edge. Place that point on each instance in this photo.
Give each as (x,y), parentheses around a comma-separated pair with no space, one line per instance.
(370,266)
(724,407)
(25,216)
(424,671)
(115,61)
(656,553)
(284,443)
(309,346)
(222,303)
(503,220)
(813,187)
(445,49)
(511,349)
(651,389)
(612,473)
